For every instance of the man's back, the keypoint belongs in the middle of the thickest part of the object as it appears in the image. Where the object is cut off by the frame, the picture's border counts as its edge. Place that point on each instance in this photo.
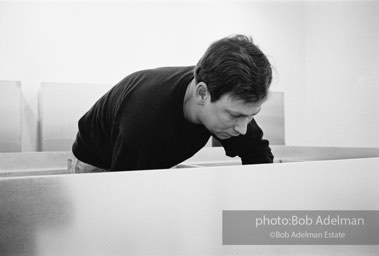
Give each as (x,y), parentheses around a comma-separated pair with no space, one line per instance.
(139,124)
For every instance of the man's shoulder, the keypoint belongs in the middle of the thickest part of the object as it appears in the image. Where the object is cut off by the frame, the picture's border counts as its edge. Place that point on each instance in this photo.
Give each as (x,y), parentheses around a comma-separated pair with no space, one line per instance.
(164,71)
(169,69)
(157,95)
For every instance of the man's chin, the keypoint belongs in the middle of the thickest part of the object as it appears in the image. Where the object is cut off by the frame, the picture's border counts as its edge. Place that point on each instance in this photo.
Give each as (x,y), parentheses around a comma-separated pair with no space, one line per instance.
(223,136)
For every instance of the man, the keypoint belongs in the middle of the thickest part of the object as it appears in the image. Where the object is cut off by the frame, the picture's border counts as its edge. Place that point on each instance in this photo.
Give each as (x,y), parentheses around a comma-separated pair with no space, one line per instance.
(158,118)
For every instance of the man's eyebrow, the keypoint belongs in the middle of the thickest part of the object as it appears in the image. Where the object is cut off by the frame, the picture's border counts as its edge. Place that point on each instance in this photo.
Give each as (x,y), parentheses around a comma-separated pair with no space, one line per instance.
(242,114)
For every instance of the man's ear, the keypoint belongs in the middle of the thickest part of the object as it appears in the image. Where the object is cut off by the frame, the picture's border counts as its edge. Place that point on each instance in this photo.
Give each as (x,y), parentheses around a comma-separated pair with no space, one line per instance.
(201,92)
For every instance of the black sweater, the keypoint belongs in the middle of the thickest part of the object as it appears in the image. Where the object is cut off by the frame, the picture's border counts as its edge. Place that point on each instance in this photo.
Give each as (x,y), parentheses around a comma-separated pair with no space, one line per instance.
(139,124)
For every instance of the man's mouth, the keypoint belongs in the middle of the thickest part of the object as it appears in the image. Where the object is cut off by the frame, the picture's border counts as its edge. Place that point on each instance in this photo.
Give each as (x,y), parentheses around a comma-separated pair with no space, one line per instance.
(225,135)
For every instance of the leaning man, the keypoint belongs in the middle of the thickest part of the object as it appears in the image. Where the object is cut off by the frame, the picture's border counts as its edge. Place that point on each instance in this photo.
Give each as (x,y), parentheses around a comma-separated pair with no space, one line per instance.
(157,118)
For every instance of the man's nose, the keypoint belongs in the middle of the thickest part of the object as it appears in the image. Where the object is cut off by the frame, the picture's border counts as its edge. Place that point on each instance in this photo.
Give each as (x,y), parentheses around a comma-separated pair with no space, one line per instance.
(241,125)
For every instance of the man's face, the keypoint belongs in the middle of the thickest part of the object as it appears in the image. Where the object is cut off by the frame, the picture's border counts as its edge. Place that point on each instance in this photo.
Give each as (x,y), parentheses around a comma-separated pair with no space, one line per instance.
(228,117)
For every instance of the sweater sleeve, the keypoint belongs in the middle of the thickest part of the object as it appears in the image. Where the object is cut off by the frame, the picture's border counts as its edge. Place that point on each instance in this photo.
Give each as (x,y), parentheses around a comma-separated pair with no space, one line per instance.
(251,147)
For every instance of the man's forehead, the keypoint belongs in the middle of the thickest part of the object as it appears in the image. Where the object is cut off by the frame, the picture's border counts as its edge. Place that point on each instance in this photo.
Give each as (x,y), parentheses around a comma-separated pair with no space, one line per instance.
(245,111)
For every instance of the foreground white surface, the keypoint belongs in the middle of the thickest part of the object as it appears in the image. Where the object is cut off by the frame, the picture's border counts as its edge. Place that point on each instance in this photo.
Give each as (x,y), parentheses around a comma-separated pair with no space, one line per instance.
(176,211)
(48,163)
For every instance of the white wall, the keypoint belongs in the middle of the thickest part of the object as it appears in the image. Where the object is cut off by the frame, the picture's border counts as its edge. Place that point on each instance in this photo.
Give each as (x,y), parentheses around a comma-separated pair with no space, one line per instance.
(342,74)
(102,41)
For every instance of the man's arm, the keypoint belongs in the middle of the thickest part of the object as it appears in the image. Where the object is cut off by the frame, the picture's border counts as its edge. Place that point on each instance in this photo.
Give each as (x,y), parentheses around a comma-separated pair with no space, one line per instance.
(251,147)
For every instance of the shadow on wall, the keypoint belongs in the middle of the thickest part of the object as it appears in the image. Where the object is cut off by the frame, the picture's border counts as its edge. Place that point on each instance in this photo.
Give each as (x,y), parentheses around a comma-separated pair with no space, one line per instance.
(10,116)
(27,208)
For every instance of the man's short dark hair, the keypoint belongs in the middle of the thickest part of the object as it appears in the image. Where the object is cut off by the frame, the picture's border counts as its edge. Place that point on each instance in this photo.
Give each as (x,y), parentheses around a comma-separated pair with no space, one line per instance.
(237,66)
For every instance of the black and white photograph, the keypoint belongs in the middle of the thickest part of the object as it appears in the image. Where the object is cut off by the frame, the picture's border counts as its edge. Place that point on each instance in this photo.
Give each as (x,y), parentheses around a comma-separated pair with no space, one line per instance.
(189,127)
